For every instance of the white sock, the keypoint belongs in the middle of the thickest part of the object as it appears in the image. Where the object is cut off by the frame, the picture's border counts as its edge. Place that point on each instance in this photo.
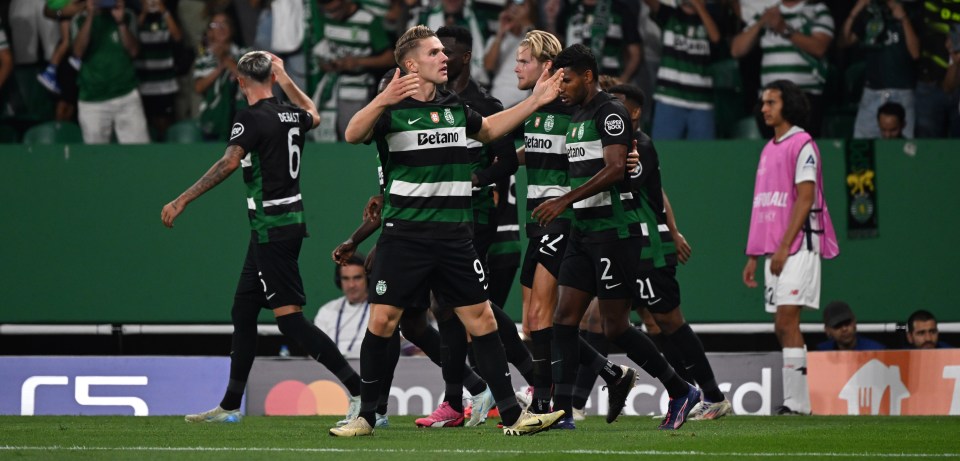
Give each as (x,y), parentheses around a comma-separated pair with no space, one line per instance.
(796,394)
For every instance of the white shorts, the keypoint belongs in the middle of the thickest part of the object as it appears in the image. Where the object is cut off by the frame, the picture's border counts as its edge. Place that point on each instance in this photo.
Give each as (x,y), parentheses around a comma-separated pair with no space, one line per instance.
(797,285)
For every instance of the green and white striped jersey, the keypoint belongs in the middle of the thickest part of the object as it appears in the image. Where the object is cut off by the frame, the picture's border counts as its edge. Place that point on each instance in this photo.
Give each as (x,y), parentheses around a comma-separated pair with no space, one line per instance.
(427,167)
(155,68)
(782,60)
(683,79)
(607,33)
(544,139)
(611,214)
(360,35)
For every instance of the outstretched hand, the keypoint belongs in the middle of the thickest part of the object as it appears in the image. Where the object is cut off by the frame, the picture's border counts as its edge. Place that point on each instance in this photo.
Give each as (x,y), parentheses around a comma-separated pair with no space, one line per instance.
(548,87)
(400,88)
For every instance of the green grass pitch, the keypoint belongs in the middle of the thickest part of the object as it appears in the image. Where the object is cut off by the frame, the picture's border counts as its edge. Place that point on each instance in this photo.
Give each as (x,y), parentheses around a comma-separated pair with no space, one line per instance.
(632,437)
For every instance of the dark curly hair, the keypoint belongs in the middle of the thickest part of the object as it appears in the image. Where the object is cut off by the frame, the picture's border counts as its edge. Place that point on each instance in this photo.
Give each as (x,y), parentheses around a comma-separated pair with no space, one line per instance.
(579,58)
(796,106)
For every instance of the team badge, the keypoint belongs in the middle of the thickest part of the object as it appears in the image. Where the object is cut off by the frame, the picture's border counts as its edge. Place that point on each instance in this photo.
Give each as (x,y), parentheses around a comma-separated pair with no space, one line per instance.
(580,133)
(548,123)
(448,116)
(536,123)
(435,117)
(381,287)
(614,125)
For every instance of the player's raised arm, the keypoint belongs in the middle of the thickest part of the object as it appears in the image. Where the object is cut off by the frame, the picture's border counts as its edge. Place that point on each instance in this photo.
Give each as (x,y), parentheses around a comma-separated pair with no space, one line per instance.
(495,126)
(360,127)
(296,95)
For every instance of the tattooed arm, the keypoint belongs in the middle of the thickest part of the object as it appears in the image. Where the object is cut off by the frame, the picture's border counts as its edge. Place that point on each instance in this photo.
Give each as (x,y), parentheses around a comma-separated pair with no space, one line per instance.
(215,175)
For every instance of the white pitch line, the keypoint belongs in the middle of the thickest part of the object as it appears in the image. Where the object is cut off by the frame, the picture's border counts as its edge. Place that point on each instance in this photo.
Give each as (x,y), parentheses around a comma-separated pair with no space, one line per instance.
(474,452)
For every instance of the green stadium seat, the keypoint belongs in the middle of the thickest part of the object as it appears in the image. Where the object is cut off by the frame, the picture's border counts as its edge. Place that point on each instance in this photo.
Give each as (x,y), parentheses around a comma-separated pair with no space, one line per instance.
(54,133)
(185,132)
(746,128)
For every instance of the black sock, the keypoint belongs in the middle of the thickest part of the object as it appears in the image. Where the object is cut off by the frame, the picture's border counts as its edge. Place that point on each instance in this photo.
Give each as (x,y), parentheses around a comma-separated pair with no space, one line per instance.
(453,358)
(673,356)
(542,374)
(587,376)
(393,357)
(320,347)
(589,357)
(373,363)
(565,349)
(492,362)
(641,350)
(517,353)
(688,344)
(427,339)
(243,349)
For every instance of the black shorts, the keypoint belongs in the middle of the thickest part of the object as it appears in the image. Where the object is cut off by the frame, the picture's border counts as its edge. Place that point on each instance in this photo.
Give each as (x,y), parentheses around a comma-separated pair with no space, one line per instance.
(547,250)
(271,274)
(659,290)
(483,237)
(406,268)
(158,105)
(607,270)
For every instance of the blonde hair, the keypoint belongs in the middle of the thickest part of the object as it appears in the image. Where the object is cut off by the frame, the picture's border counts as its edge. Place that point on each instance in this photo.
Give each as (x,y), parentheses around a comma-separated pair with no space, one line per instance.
(544,46)
(408,41)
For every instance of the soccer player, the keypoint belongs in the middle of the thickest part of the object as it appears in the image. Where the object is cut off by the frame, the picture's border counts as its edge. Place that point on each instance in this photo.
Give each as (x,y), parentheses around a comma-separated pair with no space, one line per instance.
(267,141)
(416,328)
(659,292)
(603,256)
(426,241)
(546,161)
(790,226)
(457,43)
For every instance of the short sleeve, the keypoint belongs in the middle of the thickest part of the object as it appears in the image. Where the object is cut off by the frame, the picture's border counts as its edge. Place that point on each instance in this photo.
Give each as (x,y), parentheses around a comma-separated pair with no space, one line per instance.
(806,165)
(306,121)
(474,120)
(613,125)
(822,21)
(382,125)
(379,42)
(243,133)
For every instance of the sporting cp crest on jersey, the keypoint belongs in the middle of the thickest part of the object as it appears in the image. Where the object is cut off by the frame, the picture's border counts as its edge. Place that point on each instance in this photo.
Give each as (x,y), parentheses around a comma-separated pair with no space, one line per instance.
(381,287)
(435,117)
(580,133)
(536,123)
(448,116)
(548,123)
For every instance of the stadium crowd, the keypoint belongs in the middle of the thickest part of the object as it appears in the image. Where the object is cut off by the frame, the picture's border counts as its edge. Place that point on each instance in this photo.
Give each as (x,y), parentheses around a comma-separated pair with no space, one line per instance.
(110,65)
